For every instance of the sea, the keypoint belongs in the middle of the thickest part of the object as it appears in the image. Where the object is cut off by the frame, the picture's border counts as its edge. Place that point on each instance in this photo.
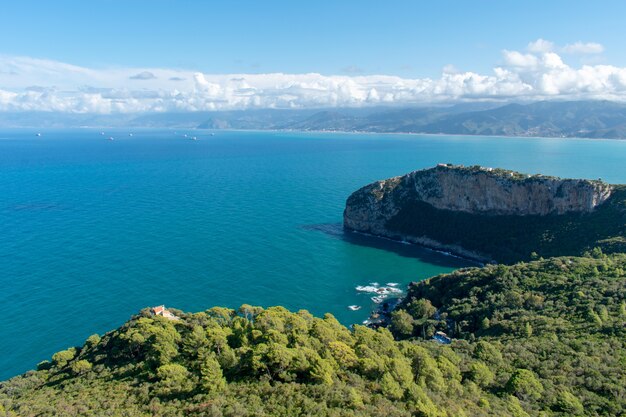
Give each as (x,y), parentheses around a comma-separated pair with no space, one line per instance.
(92,230)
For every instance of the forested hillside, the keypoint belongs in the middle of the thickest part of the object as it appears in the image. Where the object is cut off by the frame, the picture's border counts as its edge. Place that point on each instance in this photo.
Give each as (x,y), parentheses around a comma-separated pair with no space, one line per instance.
(539,338)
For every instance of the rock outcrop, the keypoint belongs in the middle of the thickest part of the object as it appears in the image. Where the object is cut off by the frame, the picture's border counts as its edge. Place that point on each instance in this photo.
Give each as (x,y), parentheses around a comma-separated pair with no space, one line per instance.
(470,191)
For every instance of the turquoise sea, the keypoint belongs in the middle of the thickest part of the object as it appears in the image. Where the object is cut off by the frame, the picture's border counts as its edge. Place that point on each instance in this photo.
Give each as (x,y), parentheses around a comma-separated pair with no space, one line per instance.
(93,230)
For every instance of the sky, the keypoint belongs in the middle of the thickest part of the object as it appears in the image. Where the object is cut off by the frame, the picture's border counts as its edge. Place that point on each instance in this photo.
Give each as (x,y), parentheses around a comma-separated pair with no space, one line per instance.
(144,56)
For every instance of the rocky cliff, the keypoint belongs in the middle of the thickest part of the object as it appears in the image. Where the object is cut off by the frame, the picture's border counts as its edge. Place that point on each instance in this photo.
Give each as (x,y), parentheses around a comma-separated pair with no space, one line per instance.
(419,206)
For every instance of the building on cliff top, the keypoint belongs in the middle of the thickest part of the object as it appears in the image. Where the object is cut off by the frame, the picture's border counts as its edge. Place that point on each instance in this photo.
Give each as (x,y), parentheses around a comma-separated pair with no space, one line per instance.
(163,312)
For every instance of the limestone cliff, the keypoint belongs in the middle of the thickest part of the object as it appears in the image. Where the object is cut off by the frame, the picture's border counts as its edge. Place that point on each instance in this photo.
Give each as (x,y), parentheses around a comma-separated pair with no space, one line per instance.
(402,207)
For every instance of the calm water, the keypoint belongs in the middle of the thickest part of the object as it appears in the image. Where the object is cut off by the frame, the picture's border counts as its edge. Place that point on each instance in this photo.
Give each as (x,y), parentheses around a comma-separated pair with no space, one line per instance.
(94,230)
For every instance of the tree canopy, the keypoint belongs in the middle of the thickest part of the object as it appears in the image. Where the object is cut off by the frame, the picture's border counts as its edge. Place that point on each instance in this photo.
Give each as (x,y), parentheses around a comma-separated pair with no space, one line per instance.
(545,338)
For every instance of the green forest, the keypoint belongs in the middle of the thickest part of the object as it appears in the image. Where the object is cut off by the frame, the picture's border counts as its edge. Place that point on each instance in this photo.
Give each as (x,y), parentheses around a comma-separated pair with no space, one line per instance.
(543,338)
(511,238)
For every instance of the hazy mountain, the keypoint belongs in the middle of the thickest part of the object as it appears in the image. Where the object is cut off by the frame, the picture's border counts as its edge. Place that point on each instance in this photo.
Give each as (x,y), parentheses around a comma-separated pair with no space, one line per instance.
(596,119)
(593,119)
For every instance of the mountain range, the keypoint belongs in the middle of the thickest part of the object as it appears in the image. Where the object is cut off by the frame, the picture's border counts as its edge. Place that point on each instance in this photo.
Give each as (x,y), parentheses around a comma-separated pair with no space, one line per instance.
(588,119)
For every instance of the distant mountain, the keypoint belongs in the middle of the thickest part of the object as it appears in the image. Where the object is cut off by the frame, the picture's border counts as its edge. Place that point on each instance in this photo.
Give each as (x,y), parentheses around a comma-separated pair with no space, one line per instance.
(552,119)
(592,119)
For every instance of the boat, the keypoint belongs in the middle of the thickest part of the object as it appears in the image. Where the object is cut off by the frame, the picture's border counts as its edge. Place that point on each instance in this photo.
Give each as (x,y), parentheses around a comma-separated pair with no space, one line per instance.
(38,134)
(111,138)
(354,307)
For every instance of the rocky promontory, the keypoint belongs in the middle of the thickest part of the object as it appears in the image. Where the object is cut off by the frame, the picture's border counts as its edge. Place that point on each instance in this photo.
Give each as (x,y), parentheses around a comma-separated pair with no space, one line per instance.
(488,214)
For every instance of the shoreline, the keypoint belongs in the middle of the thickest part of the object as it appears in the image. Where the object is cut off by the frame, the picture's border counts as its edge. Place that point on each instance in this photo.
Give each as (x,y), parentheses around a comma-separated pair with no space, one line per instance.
(434,246)
(357,132)
(346,132)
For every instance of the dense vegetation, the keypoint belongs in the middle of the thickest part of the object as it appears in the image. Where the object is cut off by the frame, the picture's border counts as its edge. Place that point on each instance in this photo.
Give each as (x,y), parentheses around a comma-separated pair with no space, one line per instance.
(509,238)
(560,321)
(541,338)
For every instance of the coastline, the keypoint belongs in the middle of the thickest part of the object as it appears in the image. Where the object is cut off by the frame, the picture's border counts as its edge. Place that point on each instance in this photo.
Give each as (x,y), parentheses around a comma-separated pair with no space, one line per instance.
(358,132)
(346,132)
(454,251)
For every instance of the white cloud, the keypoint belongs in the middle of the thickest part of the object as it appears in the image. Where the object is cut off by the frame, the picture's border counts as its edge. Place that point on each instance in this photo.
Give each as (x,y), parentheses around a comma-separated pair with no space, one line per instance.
(540,45)
(538,74)
(583,48)
(518,59)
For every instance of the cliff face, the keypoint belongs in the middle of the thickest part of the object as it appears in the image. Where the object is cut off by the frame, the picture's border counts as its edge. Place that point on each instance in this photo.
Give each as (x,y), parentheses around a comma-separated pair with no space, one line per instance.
(455,191)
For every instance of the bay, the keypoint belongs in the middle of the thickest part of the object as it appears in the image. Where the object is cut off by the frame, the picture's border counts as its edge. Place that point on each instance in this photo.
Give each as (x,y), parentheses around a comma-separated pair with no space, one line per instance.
(93,230)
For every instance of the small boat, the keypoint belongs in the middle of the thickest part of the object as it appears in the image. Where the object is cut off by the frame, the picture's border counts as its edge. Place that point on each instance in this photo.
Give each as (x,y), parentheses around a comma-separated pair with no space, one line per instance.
(354,307)
(212,134)
(111,138)
(38,134)
(102,133)
(130,134)
(194,138)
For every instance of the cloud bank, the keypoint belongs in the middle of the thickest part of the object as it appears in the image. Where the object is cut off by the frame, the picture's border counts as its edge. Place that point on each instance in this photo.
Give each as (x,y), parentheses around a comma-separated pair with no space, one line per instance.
(538,73)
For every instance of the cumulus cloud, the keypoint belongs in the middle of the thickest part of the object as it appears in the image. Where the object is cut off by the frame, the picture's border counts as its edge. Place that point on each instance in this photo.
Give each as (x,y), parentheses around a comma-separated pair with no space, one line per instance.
(538,73)
(143,75)
(540,45)
(583,48)
(520,60)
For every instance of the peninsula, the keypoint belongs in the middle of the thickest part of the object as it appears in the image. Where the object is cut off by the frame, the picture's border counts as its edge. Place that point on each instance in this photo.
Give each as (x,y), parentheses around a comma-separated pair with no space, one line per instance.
(489,214)
(539,338)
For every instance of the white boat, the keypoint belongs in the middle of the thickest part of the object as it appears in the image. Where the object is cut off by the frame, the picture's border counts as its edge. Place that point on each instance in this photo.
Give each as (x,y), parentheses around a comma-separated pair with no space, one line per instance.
(130,134)
(354,307)
(38,134)
(111,138)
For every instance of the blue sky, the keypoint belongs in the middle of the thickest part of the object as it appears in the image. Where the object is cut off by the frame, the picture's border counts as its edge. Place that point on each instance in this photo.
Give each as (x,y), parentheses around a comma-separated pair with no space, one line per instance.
(405,38)
(138,56)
